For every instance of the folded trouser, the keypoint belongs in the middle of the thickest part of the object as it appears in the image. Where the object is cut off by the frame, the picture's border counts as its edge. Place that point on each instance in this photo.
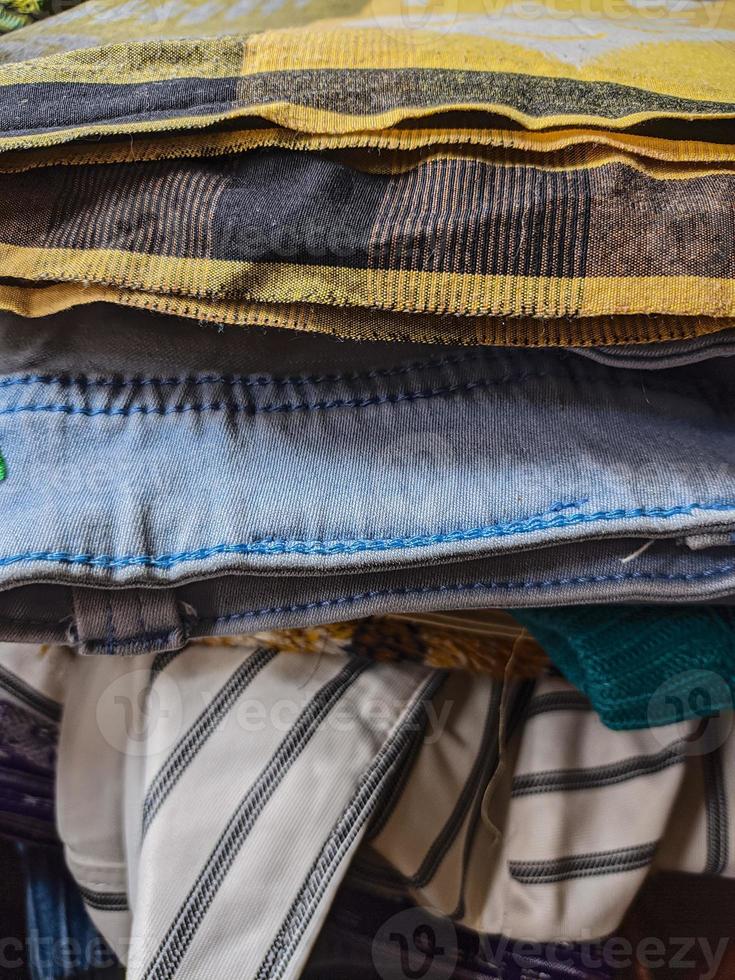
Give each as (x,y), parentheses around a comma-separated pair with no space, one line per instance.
(178,487)
(579,249)
(209,804)
(196,785)
(122,69)
(544,824)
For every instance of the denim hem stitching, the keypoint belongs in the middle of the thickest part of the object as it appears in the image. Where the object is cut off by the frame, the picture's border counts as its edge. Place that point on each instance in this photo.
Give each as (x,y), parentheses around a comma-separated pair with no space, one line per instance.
(365,401)
(488,586)
(221,405)
(276,546)
(244,381)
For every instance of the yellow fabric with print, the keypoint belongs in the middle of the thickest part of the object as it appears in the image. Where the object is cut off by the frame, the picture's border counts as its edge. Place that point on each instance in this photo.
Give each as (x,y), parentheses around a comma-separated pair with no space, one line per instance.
(348,67)
(462,171)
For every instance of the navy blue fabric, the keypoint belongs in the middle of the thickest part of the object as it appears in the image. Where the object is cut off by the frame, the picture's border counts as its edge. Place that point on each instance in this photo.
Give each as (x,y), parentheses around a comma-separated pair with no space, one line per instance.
(62,943)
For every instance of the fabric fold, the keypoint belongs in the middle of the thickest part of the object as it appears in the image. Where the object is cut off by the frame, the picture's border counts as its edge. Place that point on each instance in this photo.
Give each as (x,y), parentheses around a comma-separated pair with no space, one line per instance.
(363,66)
(180,492)
(296,756)
(447,235)
(504,806)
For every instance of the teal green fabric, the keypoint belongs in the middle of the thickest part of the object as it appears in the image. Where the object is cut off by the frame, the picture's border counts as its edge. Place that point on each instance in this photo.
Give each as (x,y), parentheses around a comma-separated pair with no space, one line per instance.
(642,665)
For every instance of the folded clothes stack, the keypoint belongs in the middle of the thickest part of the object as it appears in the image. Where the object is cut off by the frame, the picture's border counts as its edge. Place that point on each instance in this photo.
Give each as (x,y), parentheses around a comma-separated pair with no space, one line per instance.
(367,464)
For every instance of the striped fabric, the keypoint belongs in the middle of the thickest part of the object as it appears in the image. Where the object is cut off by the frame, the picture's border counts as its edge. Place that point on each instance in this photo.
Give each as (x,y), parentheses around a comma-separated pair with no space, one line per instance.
(493,237)
(350,66)
(545,825)
(197,785)
(354,170)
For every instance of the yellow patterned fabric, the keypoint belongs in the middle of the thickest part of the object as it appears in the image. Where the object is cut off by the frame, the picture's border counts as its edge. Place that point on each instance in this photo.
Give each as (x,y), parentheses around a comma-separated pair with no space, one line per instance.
(575,247)
(353,66)
(462,171)
(482,643)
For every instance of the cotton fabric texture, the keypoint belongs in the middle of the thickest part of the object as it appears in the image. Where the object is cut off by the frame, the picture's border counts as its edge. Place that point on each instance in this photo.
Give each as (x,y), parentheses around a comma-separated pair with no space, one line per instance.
(444,235)
(440,236)
(203,63)
(186,490)
(343,729)
(640,666)
(643,665)
(536,828)
(475,165)
(522,836)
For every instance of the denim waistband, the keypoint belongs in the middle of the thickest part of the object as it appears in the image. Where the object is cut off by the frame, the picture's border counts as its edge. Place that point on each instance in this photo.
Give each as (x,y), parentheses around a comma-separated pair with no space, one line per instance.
(358,476)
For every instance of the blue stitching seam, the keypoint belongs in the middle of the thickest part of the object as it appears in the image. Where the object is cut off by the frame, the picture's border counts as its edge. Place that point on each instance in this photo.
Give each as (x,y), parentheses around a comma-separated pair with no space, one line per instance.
(476,587)
(277,546)
(286,407)
(245,381)
(325,405)
(161,636)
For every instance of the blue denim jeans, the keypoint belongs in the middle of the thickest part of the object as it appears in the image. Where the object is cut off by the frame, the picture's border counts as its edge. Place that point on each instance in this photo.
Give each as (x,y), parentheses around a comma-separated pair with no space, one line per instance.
(62,943)
(165,480)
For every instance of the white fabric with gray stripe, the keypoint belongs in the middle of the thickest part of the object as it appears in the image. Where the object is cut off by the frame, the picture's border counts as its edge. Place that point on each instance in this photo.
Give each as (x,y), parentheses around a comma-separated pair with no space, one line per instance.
(211,802)
(565,828)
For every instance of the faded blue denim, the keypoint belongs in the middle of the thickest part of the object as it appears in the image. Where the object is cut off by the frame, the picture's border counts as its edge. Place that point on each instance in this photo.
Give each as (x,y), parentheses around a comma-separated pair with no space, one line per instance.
(165,480)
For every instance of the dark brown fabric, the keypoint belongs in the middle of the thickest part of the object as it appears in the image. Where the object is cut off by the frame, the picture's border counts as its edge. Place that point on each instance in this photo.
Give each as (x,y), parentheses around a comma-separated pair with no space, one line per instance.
(675,921)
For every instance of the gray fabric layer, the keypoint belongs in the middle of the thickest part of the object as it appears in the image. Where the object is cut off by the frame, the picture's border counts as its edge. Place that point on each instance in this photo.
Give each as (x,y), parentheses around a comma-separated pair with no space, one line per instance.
(667,354)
